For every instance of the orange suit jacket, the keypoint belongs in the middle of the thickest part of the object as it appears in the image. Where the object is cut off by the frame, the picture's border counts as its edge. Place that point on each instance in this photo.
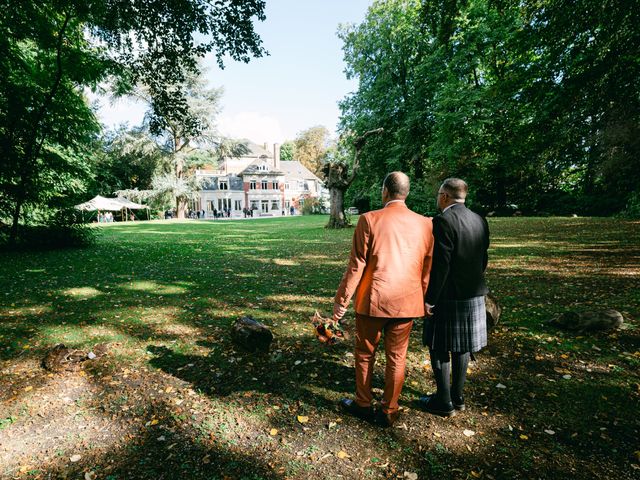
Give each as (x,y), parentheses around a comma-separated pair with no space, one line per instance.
(390,263)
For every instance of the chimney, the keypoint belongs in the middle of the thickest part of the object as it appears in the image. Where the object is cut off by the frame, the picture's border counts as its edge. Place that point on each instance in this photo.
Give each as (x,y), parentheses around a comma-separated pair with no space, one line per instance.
(276,156)
(266,146)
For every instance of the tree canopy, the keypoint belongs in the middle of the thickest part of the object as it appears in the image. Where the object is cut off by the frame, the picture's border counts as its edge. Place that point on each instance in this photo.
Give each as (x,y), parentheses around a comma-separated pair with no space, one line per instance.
(535,103)
(50,51)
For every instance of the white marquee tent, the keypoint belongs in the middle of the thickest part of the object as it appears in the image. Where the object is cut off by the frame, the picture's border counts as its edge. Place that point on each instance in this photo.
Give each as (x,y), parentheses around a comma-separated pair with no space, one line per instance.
(104,204)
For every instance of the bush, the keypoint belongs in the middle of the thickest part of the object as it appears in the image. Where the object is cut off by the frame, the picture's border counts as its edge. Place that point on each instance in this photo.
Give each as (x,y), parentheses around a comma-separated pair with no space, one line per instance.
(64,230)
(632,210)
(313,206)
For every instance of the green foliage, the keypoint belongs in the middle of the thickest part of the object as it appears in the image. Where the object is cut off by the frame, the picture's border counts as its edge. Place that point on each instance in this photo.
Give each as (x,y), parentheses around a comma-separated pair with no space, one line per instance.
(288,151)
(64,229)
(313,206)
(51,51)
(527,101)
(633,207)
(127,160)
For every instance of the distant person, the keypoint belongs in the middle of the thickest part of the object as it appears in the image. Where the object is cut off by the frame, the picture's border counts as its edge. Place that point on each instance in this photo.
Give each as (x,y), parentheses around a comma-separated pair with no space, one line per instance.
(292,210)
(455,326)
(388,273)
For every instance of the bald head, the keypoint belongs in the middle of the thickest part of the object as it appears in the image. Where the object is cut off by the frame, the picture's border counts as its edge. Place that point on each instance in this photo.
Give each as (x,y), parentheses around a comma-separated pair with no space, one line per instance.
(397,185)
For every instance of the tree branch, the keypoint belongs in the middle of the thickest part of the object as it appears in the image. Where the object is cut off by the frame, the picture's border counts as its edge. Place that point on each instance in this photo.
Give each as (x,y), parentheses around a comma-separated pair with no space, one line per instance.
(359,143)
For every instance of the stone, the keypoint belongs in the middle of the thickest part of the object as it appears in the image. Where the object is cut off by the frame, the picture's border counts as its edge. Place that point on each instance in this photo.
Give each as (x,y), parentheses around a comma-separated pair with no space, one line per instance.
(591,321)
(251,334)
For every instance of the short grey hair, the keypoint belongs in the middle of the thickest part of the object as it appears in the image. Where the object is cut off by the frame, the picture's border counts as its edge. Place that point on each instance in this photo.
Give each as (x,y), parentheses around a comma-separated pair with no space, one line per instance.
(456,188)
(397,184)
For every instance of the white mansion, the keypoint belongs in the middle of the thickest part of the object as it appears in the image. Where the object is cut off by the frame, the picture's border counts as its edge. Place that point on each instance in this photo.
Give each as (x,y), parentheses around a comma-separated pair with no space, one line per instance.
(258,181)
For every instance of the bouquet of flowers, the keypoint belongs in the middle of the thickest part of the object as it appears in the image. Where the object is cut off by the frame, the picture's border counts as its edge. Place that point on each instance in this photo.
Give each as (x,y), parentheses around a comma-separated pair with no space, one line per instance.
(327,330)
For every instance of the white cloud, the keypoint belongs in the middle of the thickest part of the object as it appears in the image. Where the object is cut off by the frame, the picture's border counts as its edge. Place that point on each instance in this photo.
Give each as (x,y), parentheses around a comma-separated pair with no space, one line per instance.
(254,126)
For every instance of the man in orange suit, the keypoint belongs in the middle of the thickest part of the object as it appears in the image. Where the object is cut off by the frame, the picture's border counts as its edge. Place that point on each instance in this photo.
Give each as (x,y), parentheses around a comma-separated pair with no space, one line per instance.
(388,274)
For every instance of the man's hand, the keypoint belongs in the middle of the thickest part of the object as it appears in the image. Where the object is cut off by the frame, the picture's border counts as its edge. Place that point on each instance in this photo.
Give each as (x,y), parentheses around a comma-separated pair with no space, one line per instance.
(428,309)
(338,312)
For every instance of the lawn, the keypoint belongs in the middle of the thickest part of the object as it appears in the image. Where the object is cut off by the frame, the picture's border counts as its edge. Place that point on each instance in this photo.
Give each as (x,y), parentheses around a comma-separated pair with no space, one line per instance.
(174,399)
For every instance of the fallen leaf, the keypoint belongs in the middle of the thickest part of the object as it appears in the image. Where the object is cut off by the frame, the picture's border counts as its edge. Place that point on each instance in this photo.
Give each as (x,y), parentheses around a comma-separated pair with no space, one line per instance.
(75,458)
(303,419)
(273,431)
(410,476)
(90,476)
(475,474)
(524,437)
(342,454)
(501,386)
(550,432)
(153,422)
(469,433)
(26,389)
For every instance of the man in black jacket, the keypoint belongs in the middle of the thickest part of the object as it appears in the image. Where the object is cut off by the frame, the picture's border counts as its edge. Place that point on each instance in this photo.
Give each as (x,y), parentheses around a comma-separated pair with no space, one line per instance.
(456,318)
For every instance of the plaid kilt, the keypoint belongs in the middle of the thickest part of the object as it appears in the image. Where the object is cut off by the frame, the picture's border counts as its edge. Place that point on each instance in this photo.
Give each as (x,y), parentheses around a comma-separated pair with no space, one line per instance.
(457,326)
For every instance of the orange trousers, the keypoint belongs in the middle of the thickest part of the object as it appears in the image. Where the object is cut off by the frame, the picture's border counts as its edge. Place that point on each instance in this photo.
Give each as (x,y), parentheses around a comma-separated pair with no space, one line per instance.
(369,330)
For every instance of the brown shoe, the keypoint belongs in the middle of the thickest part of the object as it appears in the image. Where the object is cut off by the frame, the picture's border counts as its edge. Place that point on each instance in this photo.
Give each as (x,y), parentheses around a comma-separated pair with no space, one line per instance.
(386,419)
(352,408)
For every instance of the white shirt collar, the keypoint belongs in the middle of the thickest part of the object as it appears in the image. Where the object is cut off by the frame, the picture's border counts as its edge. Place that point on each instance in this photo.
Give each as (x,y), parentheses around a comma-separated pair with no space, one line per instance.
(393,201)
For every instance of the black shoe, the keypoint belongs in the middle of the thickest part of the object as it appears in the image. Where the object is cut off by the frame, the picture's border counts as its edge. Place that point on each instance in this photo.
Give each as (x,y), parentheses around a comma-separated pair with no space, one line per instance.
(386,419)
(431,405)
(352,408)
(458,404)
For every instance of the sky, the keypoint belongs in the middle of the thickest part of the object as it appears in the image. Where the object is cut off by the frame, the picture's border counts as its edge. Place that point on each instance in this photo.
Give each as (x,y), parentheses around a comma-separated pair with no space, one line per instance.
(298,86)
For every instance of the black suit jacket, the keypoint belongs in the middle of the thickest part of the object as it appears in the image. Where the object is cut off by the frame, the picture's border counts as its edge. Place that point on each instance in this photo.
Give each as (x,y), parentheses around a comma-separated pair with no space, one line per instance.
(459,256)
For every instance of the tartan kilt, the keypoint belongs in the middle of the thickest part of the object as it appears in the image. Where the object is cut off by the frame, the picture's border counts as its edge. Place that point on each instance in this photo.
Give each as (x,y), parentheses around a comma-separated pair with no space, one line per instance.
(456,326)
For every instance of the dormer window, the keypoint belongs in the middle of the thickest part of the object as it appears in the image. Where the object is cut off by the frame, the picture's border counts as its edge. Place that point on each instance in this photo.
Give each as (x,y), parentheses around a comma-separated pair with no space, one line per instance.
(223,184)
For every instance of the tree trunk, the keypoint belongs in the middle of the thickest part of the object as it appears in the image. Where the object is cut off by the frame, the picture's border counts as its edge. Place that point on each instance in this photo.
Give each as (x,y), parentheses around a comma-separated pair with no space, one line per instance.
(13,234)
(337,218)
(181,207)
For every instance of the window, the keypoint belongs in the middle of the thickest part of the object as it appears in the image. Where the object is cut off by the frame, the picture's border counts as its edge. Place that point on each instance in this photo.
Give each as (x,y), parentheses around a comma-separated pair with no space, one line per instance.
(286,185)
(265,206)
(274,185)
(223,184)
(224,203)
(265,184)
(252,185)
(274,205)
(254,204)
(238,205)
(210,206)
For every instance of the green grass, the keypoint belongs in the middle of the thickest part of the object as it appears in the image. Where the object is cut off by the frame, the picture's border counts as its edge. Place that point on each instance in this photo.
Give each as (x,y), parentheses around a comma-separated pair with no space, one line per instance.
(165,293)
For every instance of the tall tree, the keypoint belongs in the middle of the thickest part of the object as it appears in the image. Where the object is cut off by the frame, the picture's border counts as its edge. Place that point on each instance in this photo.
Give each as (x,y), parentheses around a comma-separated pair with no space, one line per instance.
(310,147)
(288,151)
(536,103)
(51,50)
